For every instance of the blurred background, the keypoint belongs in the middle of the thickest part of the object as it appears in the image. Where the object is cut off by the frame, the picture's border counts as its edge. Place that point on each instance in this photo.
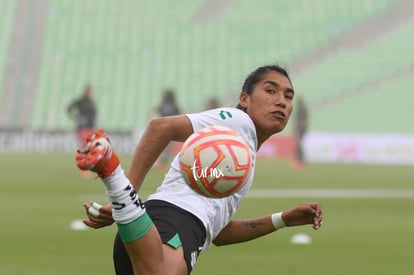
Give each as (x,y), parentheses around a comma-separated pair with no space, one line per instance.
(352,61)
(350,145)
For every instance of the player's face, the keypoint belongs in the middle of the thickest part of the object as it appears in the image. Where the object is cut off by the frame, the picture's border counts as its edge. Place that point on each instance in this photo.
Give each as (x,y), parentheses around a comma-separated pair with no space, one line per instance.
(270,104)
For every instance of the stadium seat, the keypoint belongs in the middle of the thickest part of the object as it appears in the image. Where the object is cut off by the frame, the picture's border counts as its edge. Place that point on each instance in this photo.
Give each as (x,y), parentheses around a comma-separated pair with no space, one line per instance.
(131,52)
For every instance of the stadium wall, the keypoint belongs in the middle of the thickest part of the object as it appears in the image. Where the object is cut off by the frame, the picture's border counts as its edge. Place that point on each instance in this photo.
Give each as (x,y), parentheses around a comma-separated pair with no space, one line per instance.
(389,149)
(38,141)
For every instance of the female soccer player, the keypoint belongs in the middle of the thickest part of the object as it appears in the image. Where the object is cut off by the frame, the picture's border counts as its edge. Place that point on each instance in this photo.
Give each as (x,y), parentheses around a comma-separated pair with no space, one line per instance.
(166,235)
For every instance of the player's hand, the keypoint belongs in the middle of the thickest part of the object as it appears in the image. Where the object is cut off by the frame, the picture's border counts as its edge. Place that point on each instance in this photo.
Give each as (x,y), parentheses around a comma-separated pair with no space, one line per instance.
(98,216)
(306,213)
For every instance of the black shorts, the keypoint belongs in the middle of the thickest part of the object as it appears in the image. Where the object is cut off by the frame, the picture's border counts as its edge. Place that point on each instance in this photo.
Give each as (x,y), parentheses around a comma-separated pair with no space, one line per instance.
(176,227)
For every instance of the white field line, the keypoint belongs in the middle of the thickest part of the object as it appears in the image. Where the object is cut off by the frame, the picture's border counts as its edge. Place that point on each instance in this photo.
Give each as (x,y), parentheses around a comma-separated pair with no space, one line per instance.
(331,193)
(298,193)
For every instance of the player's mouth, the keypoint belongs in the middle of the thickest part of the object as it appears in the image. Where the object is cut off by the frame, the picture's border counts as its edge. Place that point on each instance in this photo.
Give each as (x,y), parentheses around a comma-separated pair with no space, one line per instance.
(279,114)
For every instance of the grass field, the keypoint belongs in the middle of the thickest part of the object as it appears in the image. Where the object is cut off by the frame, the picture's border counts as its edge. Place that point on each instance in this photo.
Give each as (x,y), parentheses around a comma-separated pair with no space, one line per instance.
(368,234)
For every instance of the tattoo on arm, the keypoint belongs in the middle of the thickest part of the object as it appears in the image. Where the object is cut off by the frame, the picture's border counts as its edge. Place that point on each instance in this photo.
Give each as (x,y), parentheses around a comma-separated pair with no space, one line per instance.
(252,224)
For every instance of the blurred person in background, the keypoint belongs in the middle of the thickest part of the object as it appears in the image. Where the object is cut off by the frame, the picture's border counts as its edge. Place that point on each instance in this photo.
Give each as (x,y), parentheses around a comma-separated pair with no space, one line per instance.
(83,112)
(167,107)
(213,103)
(301,121)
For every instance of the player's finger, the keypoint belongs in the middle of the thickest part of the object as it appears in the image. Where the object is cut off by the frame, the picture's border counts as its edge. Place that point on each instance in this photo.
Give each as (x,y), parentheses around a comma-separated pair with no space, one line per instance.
(93,208)
(317,221)
(93,212)
(95,205)
(98,222)
(106,211)
(105,216)
(93,224)
(317,225)
(86,206)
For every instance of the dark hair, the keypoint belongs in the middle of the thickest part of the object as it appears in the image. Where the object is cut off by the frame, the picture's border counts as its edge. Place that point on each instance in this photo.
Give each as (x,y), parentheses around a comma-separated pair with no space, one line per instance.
(257,75)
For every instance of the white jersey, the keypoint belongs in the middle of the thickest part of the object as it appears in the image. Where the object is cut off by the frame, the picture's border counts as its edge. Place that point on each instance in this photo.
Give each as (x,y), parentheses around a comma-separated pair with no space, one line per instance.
(214,213)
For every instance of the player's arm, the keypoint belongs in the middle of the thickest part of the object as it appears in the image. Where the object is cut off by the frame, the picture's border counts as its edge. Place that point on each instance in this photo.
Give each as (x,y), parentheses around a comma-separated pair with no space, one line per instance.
(156,137)
(238,231)
(70,109)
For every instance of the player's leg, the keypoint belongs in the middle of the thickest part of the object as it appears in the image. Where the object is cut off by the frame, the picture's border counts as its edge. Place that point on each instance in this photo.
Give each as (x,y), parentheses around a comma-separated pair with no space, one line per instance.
(136,228)
(174,260)
(182,235)
(146,254)
(122,262)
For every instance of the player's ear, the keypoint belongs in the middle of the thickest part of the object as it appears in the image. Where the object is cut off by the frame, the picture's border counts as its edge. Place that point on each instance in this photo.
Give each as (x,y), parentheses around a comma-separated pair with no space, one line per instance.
(243,99)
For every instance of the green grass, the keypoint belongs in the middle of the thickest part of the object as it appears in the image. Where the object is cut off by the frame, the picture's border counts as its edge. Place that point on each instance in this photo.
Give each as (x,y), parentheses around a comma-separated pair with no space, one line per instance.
(42,194)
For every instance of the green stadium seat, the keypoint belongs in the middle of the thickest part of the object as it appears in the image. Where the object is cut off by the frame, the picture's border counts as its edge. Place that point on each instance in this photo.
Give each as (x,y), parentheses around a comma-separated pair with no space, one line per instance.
(7,13)
(131,52)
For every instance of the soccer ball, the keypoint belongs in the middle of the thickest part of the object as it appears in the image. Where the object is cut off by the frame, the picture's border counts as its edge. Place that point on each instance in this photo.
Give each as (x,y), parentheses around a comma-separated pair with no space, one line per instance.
(215,161)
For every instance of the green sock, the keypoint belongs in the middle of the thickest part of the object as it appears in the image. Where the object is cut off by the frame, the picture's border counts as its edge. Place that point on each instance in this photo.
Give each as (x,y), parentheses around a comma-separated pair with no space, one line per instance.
(136,229)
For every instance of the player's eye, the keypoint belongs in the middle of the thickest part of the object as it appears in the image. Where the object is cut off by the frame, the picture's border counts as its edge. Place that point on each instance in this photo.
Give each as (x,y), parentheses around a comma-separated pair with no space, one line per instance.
(289,96)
